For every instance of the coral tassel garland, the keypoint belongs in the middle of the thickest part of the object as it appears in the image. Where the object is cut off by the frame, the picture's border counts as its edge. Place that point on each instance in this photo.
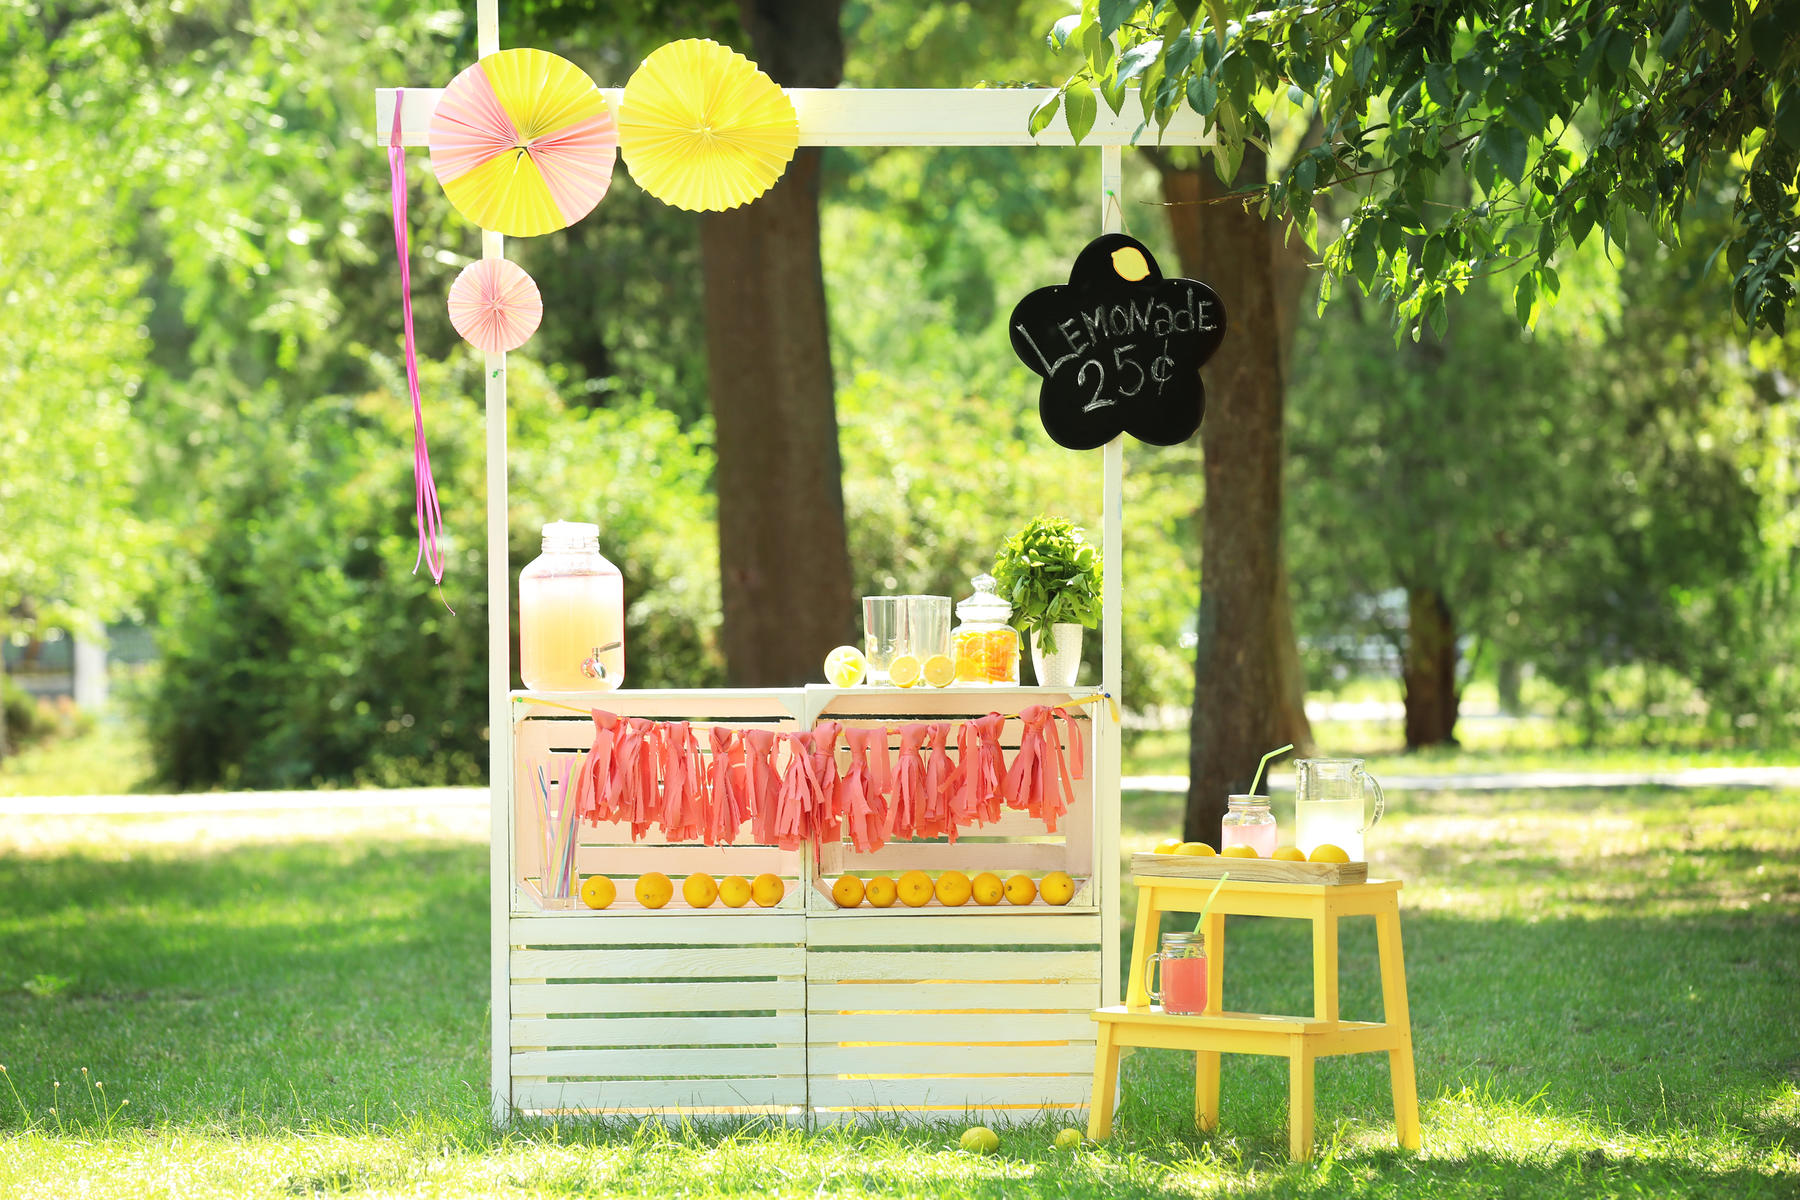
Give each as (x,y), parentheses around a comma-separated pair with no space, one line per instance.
(862,793)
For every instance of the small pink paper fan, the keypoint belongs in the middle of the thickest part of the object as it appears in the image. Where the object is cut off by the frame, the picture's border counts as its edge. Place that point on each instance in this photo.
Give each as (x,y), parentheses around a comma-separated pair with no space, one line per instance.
(495,305)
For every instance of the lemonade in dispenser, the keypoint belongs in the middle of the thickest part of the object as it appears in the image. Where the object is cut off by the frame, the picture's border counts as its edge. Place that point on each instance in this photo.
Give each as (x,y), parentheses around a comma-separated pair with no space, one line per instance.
(985,647)
(571,614)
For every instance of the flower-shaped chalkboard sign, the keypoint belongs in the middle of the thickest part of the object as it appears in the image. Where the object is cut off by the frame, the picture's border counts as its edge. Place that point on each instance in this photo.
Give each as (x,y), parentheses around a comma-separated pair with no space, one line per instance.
(1119,347)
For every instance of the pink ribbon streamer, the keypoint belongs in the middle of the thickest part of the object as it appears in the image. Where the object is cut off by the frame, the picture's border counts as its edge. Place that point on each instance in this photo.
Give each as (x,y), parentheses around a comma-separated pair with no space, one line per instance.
(862,792)
(762,784)
(827,823)
(634,775)
(800,797)
(910,798)
(593,778)
(684,815)
(940,783)
(729,786)
(1032,782)
(981,769)
(425,496)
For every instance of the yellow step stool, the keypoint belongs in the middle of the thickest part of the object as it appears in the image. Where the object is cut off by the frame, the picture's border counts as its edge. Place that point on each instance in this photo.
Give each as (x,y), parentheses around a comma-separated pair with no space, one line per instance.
(1299,1039)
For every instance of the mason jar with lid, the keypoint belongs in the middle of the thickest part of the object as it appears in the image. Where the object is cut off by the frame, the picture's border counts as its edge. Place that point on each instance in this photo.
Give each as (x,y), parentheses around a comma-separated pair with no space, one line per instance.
(571,614)
(984,646)
(1248,822)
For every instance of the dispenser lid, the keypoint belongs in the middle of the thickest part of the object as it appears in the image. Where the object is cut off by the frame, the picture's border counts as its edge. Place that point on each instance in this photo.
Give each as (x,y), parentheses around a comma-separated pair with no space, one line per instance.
(986,605)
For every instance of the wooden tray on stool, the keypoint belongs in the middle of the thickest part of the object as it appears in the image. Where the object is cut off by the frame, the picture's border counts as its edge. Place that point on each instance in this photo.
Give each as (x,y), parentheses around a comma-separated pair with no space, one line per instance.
(1247,870)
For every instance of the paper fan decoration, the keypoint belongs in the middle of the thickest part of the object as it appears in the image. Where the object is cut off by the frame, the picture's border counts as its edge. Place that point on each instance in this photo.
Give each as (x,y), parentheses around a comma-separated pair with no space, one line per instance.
(702,129)
(523,143)
(495,305)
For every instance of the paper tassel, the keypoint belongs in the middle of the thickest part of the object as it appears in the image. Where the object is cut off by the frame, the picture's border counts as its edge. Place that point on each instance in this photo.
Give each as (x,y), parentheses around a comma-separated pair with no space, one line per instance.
(593,775)
(1032,783)
(827,823)
(634,775)
(762,785)
(981,769)
(862,793)
(683,783)
(910,799)
(799,798)
(730,800)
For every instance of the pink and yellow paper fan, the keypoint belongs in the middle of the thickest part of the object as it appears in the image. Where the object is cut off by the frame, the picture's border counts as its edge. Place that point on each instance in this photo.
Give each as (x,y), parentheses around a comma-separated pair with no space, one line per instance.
(495,305)
(702,129)
(523,143)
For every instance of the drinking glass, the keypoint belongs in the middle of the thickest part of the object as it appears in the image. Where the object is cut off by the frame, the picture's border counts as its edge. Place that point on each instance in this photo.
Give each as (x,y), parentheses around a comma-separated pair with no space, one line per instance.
(927,626)
(884,633)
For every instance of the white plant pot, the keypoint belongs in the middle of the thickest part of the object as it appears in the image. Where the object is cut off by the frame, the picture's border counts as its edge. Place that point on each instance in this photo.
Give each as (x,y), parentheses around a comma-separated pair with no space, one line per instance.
(1057,669)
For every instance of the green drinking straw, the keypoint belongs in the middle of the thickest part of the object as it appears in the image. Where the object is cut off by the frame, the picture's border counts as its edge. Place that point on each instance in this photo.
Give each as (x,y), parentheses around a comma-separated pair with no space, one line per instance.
(1200,925)
(1257,778)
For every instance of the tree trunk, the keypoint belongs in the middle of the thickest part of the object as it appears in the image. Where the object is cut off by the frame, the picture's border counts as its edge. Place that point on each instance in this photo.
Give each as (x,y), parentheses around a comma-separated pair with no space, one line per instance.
(1237,663)
(1428,671)
(3,741)
(784,561)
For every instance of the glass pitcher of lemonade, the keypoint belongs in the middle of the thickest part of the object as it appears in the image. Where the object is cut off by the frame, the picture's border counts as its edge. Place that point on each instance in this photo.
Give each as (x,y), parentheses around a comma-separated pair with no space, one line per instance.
(571,614)
(1331,804)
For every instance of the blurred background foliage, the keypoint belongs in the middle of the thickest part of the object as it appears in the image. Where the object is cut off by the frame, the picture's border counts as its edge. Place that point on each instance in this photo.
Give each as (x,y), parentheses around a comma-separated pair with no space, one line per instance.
(205,429)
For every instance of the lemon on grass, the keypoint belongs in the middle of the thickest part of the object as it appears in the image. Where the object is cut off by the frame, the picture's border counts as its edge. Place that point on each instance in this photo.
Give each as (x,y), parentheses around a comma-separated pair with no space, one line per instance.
(953,889)
(1067,1139)
(915,889)
(845,667)
(881,891)
(653,889)
(979,1139)
(940,671)
(597,891)
(699,890)
(987,888)
(1020,890)
(734,891)
(1288,854)
(1325,852)
(767,890)
(847,891)
(904,670)
(1197,848)
(1239,851)
(1168,846)
(1057,888)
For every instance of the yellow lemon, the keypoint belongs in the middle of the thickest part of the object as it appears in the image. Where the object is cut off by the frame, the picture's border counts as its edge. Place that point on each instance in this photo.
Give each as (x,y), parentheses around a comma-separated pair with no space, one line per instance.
(915,889)
(1288,854)
(980,1140)
(845,666)
(597,891)
(1057,888)
(1239,851)
(767,890)
(987,888)
(1199,848)
(953,889)
(847,891)
(1325,852)
(1067,1139)
(881,891)
(940,671)
(1021,890)
(653,889)
(1168,846)
(699,890)
(904,670)
(734,891)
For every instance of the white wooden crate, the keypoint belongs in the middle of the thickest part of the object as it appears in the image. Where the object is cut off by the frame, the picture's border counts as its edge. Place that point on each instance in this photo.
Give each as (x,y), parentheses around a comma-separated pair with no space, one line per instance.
(689,1014)
(556,738)
(948,1013)
(1019,842)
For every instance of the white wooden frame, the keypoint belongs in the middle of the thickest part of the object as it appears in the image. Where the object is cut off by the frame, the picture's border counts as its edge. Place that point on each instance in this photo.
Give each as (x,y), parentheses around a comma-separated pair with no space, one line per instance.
(840,117)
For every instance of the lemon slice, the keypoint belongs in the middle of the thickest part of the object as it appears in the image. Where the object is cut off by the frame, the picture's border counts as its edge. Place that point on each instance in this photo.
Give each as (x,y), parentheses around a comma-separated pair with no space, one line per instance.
(903,671)
(844,667)
(940,671)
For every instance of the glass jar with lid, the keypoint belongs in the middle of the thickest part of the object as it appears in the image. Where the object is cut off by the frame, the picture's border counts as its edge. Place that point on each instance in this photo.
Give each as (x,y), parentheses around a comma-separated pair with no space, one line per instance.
(985,648)
(571,614)
(1248,822)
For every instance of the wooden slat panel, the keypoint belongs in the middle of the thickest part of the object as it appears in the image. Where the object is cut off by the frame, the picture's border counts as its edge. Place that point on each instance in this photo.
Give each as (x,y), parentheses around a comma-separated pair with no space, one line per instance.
(1034,858)
(926,998)
(819,904)
(889,117)
(547,998)
(701,962)
(626,863)
(602,1032)
(666,1093)
(887,1093)
(1022,1114)
(731,927)
(834,1059)
(1046,965)
(972,1027)
(996,927)
(620,1063)
(725,704)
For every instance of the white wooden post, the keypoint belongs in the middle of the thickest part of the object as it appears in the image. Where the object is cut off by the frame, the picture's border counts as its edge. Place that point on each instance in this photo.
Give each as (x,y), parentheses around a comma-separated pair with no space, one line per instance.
(1112,640)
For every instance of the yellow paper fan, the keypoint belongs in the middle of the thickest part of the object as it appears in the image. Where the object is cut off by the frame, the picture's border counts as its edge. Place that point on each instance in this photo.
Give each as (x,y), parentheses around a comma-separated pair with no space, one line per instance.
(702,129)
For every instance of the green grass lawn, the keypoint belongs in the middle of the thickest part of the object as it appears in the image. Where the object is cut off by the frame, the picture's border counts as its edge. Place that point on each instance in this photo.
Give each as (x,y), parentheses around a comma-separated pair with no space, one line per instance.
(1603,987)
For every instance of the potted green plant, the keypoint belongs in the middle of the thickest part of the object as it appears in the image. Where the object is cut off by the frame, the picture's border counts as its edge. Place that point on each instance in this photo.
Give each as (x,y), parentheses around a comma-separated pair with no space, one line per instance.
(1050,574)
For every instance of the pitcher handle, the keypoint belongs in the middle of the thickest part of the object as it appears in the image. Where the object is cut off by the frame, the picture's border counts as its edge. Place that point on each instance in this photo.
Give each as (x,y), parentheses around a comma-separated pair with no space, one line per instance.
(1380,801)
(1149,973)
